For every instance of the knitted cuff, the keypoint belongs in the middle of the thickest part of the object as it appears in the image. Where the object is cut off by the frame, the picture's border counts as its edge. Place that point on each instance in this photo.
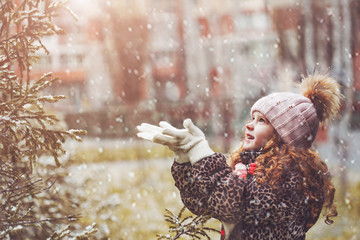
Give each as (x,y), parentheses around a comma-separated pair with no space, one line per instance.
(181,157)
(199,151)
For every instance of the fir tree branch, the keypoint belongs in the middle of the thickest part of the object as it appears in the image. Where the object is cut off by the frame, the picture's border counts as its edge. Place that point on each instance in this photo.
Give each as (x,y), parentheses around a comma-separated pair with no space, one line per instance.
(5,223)
(188,226)
(26,129)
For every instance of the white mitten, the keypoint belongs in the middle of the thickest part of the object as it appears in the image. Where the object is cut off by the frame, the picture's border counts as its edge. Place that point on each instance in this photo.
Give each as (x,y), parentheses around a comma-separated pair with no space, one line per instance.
(148,132)
(191,140)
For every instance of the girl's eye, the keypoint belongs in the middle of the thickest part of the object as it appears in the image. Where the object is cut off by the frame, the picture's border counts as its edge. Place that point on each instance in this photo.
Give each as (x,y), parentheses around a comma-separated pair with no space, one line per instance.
(261,120)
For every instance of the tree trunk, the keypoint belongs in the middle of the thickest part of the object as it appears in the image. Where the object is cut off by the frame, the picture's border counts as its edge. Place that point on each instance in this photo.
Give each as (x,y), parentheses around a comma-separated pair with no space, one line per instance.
(342,68)
(309,36)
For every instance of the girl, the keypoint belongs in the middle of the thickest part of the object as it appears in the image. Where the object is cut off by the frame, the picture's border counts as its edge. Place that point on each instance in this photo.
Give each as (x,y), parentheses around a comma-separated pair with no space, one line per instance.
(275,185)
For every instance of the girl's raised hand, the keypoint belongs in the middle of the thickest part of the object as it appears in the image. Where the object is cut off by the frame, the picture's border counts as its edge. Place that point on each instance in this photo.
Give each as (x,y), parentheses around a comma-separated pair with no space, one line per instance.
(148,131)
(156,134)
(189,141)
(179,139)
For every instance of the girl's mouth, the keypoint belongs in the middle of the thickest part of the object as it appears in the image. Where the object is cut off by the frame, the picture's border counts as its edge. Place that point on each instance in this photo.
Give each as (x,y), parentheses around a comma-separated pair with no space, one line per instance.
(249,137)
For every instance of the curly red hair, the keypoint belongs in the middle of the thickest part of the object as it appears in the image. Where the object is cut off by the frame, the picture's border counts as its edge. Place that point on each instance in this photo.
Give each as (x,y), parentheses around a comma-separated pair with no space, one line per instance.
(276,160)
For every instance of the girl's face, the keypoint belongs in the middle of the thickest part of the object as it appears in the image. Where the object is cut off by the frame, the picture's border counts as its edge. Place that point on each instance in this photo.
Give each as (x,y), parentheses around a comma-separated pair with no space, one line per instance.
(257,132)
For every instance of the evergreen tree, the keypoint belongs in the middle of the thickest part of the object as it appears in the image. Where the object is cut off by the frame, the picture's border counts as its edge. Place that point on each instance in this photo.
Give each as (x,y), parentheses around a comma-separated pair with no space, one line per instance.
(31,207)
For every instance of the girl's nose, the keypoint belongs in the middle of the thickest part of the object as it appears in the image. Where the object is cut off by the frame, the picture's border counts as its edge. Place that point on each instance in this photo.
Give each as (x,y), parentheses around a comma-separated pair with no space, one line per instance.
(249,126)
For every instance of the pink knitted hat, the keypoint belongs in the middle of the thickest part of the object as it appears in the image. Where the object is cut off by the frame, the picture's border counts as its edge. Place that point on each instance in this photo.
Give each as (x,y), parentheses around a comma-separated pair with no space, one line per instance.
(296,117)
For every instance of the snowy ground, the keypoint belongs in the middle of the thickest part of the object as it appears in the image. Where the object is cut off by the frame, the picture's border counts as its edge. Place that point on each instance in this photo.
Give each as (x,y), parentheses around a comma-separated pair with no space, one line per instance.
(128,198)
(139,191)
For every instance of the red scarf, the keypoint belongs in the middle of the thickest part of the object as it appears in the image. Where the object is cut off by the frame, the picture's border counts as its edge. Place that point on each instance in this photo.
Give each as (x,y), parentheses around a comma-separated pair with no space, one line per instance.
(248,165)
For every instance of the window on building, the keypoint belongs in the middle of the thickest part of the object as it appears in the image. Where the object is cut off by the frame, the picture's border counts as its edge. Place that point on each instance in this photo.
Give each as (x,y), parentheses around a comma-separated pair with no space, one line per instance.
(80,59)
(260,20)
(204,26)
(251,21)
(64,60)
(242,22)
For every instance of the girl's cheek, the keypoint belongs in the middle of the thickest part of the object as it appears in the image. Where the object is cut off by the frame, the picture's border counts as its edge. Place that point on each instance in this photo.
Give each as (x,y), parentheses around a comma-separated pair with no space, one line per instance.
(262,141)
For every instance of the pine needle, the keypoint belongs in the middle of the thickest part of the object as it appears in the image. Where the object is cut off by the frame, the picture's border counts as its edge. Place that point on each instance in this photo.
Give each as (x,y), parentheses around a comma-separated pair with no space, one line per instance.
(190,226)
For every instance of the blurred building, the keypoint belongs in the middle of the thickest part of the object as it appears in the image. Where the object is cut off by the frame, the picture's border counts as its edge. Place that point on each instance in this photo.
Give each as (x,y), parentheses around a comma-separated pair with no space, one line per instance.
(77,58)
(210,47)
(209,58)
(177,56)
(320,35)
(124,61)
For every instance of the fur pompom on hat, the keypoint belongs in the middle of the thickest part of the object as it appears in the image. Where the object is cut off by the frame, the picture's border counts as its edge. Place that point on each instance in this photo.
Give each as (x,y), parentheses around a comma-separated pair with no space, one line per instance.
(296,117)
(324,92)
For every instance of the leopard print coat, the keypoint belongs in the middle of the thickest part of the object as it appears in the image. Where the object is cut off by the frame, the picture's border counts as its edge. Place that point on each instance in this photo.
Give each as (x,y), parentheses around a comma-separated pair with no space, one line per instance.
(247,209)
